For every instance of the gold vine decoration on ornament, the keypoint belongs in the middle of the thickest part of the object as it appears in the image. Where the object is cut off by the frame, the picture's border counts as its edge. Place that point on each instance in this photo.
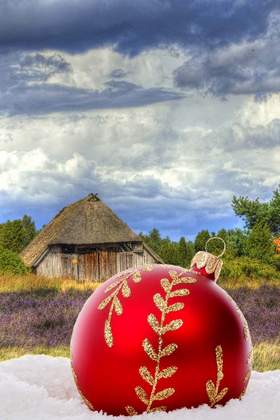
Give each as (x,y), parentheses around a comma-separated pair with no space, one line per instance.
(118,285)
(248,374)
(212,390)
(160,328)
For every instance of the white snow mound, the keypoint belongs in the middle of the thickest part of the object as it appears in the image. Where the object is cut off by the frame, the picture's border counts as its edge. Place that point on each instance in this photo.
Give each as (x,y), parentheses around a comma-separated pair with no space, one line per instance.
(42,388)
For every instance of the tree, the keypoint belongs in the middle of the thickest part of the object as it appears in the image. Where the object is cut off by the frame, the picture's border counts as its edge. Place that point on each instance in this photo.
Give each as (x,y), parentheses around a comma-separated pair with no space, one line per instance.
(29,229)
(10,263)
(254,211)
(153,239)
(259,243)
(16,234)
(169,252)
(236,242)
(185,252)
(200,240)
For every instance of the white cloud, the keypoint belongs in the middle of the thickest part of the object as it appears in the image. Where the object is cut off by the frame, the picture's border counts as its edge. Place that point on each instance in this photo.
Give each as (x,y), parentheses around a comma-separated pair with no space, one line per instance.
(261,113)
(185,158)
(181,158)
(153,68)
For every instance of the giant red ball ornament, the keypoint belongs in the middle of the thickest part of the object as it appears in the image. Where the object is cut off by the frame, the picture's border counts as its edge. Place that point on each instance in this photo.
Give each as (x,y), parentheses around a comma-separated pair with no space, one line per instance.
(160,338)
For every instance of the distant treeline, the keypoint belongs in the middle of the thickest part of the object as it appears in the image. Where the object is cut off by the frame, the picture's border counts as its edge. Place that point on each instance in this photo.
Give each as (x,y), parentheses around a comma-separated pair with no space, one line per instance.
(255,241)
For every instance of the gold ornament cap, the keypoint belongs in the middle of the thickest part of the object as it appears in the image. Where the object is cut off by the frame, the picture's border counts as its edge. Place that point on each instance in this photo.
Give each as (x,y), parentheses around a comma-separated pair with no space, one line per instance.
(207,264)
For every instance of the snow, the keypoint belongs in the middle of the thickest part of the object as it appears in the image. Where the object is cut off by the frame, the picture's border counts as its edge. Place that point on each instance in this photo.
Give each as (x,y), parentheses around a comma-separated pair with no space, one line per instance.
(42,388)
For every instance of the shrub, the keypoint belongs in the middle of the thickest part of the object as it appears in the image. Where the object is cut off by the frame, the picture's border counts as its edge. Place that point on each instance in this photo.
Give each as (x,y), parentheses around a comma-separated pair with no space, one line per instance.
(260,243)
(276,261)
(16,234)
(246,271)
(10,262)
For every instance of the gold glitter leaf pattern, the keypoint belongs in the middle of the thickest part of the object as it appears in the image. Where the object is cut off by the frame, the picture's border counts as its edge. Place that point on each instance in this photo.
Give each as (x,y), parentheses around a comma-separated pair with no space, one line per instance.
(188,280)
(168,350)
(149,350)
(108,333)
(117,286)
(177,279)
(141,394)
(118,306)
(160,328)
(146,375)
(168,372)
(159,302)
(175,307)
(126,292)
(248,374)
(160,408)
(131,411)
(152,320)
(136,277)
(105,302)
(165,284)
(221,394)
(179,292)
(113,285)
(172,326)
(212,390)
(162,395)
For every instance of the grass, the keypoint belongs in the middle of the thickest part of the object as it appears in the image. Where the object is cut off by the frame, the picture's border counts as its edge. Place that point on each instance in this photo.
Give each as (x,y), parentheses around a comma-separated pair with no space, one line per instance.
(31,283)
(250,273)
(266,354)
(248,282)
(14,352)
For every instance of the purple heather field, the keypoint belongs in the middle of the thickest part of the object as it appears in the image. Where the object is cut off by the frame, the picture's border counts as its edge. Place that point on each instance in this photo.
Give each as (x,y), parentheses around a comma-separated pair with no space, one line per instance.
(46,317)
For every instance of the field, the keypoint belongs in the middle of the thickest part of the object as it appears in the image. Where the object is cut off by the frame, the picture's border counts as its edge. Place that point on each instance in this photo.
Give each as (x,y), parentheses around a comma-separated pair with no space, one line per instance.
(38,314)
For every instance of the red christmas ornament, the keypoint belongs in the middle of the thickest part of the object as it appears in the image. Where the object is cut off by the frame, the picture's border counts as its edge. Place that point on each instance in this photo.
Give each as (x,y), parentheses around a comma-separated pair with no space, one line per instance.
(161,338)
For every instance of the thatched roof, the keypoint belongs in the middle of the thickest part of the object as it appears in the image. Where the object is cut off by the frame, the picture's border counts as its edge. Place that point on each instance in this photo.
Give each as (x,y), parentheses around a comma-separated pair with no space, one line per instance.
(85,222)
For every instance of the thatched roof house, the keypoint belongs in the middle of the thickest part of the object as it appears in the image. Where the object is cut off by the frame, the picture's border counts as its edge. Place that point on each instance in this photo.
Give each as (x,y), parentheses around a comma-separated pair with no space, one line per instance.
(86,241)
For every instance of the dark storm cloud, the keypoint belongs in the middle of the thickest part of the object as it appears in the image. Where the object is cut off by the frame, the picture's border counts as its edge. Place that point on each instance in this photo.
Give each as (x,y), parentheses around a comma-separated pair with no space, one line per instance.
(40,68)
(17,70)
(130,26)
(249,67)
(48,98)
(24,91)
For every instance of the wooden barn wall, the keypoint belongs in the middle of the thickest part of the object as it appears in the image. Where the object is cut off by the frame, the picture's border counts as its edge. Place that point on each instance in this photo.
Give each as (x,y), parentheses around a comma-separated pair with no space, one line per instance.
(97,265)
(51,264)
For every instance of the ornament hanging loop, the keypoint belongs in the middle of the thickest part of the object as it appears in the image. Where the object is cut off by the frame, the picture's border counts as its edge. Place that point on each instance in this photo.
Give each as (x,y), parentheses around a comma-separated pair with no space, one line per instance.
(220,239)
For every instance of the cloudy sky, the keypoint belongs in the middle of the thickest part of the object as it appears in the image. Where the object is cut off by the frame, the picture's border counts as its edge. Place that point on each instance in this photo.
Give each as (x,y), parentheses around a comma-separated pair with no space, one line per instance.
(166,108)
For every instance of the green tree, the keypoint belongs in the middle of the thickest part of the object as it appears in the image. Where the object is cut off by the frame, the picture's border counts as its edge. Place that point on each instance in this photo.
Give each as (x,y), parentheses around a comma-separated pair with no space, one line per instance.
(200,240)
(182,251)
(259,243)
(169,252)
(236,242)
(10,263)
(255,211)
(29,229)
(16,234)
(153,239)
(185,252)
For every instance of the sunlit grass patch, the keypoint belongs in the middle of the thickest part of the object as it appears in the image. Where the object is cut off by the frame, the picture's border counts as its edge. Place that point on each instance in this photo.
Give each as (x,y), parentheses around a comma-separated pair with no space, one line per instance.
(247,272)
(7,353)
(267,356)
(31,282)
